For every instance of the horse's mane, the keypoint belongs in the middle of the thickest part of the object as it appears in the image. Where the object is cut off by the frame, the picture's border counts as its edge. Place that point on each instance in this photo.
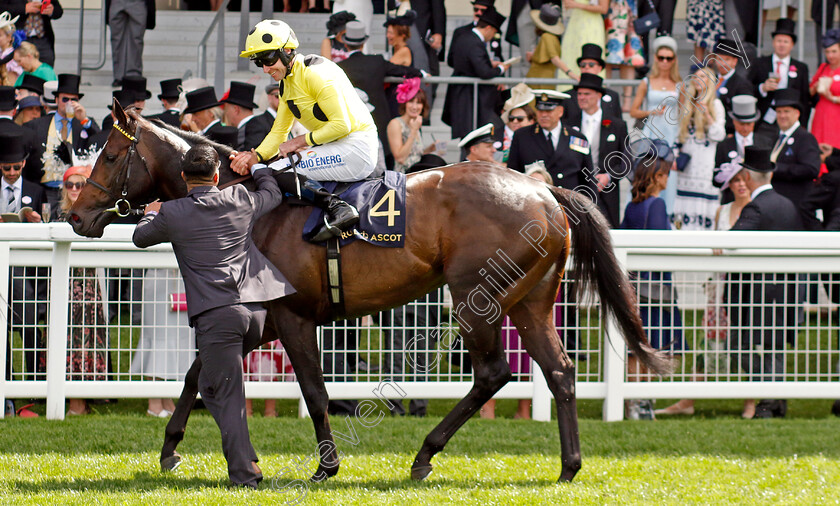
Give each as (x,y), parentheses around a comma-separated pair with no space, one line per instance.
(194,138)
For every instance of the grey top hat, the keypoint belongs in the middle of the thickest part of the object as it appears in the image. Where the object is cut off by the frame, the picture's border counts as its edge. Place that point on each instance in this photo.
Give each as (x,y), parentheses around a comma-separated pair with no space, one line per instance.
(354,33)
(744,109)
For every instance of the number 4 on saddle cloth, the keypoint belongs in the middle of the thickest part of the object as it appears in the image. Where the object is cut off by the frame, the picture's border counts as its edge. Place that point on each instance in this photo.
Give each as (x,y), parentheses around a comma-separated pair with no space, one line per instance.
(381,205)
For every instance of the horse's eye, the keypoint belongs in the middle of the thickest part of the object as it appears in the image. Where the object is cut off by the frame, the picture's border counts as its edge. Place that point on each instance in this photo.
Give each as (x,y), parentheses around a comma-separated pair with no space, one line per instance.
(110,158)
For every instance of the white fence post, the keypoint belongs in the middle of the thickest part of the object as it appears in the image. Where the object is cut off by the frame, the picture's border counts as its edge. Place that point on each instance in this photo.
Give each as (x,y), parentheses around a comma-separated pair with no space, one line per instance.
(57,331)
(5,298)
(614,352)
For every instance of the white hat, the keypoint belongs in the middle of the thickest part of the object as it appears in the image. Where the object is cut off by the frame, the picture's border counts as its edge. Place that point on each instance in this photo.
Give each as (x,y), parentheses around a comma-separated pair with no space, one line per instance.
(6,19)
(549,99)
(665,41)
(480,134)
(520,95)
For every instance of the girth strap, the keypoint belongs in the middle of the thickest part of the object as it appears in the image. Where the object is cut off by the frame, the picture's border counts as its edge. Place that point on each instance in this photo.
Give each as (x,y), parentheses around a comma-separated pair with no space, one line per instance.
(335,286)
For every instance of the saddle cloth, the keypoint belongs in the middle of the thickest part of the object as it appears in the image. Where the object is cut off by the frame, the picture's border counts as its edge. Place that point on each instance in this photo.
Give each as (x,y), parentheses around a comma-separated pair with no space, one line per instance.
(381,205)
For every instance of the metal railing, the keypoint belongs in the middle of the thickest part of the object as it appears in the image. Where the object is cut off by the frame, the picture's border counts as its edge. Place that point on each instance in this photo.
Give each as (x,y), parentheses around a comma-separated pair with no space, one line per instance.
(100,60)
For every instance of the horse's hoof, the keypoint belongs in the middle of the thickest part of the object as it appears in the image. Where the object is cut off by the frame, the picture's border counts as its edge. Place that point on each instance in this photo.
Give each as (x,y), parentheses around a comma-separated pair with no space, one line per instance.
(421,472)
(170,463)
(566,477)
(323,473)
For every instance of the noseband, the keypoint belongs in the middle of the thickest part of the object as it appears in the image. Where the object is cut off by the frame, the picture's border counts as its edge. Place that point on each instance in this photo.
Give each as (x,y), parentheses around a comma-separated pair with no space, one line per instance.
(122,207)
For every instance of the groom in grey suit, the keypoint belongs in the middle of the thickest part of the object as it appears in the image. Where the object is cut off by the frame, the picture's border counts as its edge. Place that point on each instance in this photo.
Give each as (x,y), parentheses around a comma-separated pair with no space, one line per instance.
(226,279)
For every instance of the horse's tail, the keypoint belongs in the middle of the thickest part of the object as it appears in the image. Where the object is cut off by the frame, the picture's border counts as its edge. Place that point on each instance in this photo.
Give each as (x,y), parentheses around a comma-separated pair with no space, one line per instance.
(595,266)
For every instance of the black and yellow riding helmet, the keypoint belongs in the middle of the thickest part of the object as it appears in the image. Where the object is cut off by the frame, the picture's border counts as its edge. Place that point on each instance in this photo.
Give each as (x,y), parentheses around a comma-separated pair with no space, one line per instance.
(266,42)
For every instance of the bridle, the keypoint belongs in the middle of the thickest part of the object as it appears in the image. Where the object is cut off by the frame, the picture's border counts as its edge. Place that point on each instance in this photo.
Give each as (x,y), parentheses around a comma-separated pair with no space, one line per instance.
(122,207)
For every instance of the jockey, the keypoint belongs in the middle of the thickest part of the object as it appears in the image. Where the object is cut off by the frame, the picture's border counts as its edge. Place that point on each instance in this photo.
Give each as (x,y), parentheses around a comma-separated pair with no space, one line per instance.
(342,144)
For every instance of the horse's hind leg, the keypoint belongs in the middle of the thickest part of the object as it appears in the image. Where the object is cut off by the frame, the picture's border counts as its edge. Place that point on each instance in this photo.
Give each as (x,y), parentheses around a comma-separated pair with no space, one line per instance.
(491,372)
(533,317)
(177,425)
(300,342)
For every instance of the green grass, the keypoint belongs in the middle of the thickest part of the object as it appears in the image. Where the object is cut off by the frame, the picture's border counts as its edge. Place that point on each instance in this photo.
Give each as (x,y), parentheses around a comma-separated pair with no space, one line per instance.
(715,457)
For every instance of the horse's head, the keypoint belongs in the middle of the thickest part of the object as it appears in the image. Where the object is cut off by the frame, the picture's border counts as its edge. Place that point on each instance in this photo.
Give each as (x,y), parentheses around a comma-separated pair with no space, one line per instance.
(130,171)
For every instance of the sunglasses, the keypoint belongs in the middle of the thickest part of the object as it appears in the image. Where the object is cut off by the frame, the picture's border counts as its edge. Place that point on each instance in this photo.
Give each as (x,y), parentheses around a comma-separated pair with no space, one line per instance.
(266,58)
(68,99)
(585,64)
(665,58)
(518,118)
(9,168)
(78,185)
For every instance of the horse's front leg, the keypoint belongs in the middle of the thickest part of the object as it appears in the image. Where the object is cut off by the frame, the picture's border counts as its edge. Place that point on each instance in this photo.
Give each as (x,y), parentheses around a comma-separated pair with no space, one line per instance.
(300,342)
(177,426)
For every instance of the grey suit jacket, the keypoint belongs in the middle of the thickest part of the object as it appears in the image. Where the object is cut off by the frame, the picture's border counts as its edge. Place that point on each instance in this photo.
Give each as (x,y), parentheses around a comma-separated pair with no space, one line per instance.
(210,232)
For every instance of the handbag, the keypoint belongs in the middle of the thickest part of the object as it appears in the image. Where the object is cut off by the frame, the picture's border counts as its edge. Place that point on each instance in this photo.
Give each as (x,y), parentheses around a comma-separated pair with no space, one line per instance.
(177,302)
(682,159)
(647,22)
(823,85)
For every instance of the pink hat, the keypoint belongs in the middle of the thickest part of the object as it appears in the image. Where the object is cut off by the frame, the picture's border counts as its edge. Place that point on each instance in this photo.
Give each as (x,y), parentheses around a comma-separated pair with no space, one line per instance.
(727,172)
(408,89)
(78,170)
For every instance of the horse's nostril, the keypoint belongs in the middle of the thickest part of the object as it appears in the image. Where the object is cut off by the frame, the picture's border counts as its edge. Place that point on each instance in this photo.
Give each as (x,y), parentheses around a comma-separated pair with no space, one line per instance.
(75,217)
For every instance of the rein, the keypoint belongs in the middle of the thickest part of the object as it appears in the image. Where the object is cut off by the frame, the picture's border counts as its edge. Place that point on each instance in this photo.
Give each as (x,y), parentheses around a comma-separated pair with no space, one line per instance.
(122,207)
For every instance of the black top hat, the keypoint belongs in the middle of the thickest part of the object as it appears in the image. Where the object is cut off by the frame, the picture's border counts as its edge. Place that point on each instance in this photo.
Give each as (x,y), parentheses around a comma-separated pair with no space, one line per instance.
(486,3)
(757,158)
(591,52)
(726,46)
(785,26)
(136,85)
(124,97)
(241,94)
(7,98)
(591,82)
(406,19)
(201,99)
(492,17)
(69,84)
(787,97)
(337,21)
(427,161)
(170,89)
(32,83)
(227,135)
(11,146)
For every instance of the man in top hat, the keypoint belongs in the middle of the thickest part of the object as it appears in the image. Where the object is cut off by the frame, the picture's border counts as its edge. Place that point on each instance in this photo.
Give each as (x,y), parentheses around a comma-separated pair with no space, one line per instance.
(169,94)
(70,125)
(30,85)
(367,72)
(562,147)
(203,111)
(227,135)
(479,144)
(729,84)
(479,6)
(470,59)
(239,112)
(796,152)
(8,104)
(743,116)
(591,62)
(607,135)
(763,305)
(97,140)
(780,71)
(129,20)
(272,95)
(35,19)
(137,86)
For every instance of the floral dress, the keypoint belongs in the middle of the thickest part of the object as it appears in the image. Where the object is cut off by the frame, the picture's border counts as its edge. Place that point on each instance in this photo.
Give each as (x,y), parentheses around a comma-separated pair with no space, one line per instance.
(624,46)
(705,22)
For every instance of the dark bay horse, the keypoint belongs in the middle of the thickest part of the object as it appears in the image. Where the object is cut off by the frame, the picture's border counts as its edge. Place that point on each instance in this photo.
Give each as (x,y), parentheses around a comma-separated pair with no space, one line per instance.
(458,218)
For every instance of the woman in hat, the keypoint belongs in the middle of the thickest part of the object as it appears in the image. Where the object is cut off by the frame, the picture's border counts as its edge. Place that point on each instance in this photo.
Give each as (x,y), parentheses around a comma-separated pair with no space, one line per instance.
(826,84)
(333,46)
(9,68)
(398,30)
(545,60)
(516,114)
(585,25)
(404,132)
(700,131)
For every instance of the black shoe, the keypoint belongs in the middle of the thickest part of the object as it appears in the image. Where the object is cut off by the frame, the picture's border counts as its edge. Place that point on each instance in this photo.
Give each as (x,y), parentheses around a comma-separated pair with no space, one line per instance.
(770,408)
(339,217)
(835,408)
(780,409)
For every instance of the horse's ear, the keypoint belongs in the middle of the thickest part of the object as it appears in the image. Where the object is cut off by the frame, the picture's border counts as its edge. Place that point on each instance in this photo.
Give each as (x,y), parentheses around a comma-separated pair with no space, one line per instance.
(119,112)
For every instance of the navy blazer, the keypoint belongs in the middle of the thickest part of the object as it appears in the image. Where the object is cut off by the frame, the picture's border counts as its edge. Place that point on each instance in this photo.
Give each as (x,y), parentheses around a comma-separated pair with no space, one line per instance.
(564,163)
(769,211)
(210,231)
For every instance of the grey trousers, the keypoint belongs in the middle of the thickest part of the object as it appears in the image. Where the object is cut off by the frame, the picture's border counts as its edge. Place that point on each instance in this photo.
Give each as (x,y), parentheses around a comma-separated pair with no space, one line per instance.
(224,335)
(127,19)
(526,30)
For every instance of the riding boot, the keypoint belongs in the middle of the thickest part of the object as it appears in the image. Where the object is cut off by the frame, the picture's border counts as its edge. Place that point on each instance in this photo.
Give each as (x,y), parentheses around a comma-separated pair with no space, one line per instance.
(339,216)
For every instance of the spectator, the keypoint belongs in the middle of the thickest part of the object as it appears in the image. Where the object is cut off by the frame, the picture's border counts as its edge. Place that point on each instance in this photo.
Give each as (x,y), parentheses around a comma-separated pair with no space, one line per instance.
(10,69)
(665,10)
(169,95)
(29,108)
(705,25)
(267,363)
(479,7)
(545,60)
(129,20)
(404,131)
(590,62)
(7,122)
(478,144)
(167,346)
(607,136)
(585,25)
(28,58)
(658,308)
(134,94)
(780,71)
(796,153)
(516,114)
(658,94)
(520,30)
(428,37)
(203,112)
(397,33)
(471,60)
(763,305)
(333,46)
(624,46)
(35,19)
(367,72)
(87,341)
(700,131)
(70,125)
(826,86)
(97,141)
(239,112)
(816,15)
(731,149)
(272,95)
(729,83)
(31,85)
